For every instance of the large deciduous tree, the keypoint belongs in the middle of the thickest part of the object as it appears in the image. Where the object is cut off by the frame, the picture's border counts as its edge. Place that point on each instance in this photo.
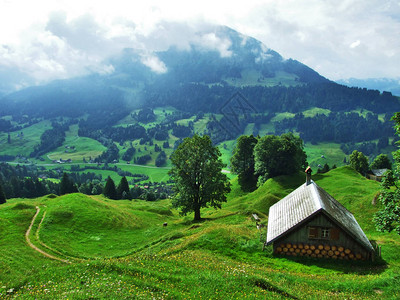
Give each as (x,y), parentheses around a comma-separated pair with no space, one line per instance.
(388,218)
(198,177)
(279,155)
(359,162)
(382,161)
(242,162)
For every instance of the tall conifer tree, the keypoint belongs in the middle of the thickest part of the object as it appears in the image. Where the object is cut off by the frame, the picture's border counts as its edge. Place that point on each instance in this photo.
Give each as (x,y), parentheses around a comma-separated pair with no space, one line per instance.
(123,191)
(109,189)
(2,195)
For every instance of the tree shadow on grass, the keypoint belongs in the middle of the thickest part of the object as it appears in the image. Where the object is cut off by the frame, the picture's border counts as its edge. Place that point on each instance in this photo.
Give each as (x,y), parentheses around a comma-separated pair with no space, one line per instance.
(207,219)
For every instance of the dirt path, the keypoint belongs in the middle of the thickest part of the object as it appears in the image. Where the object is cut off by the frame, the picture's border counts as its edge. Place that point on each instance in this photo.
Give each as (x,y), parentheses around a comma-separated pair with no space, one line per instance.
(28,240)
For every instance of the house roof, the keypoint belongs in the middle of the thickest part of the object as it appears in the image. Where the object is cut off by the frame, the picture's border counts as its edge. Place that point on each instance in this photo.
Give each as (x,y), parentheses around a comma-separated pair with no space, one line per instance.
(304,203)
(379,172)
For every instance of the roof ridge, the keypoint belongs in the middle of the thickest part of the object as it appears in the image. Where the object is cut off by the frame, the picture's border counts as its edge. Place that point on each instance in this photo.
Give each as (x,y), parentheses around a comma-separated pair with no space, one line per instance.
(318,201)
(359,235)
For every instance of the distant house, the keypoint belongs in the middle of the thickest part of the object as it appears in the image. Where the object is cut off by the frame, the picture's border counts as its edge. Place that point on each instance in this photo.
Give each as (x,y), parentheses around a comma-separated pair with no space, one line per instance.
(62,161)
(377,174)
(310,222)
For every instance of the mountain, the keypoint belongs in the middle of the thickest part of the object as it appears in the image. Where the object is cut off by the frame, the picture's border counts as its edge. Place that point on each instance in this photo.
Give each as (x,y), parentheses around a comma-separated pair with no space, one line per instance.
(202,78)
(382,84)
(12,80)
(221,83)
(246,62)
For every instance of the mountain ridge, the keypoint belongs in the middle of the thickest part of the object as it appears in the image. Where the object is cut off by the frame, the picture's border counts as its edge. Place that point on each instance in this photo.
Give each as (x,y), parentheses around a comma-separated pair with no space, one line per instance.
(239,82)
(391,85)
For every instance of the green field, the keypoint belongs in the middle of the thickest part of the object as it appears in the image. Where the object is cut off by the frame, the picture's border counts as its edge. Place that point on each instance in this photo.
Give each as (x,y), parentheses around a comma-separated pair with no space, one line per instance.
(155,174)
(84,147)
(324,153)
(314,111)
(23,145)
(119,249)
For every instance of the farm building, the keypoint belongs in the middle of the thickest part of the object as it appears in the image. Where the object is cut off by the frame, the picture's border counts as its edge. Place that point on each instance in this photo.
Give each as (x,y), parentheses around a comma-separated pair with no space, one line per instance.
(310,222)
(377,174)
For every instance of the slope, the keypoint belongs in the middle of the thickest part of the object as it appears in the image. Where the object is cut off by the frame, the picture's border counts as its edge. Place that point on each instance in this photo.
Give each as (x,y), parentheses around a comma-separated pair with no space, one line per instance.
(219,257)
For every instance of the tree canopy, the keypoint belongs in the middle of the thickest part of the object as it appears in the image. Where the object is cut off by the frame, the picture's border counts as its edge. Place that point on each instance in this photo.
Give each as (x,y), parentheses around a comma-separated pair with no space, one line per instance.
(123,191)
(197,174)
(2,195)
(388,218)
(109,189)
(67,185)
(242,162)
(278,155)
(359,162)
(382,161)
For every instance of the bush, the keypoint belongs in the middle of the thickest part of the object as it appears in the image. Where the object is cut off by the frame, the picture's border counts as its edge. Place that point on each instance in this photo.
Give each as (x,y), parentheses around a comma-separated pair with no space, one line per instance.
(22,205)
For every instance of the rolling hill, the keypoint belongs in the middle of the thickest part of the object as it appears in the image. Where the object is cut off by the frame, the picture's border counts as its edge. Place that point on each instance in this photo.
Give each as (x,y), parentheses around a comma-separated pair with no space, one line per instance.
(121,249)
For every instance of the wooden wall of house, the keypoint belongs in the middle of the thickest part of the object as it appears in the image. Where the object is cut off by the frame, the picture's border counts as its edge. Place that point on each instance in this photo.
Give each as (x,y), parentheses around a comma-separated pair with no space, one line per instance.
(338,238)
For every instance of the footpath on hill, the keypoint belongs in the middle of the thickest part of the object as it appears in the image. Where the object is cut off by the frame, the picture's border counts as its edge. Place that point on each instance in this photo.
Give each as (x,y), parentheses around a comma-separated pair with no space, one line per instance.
(28,240)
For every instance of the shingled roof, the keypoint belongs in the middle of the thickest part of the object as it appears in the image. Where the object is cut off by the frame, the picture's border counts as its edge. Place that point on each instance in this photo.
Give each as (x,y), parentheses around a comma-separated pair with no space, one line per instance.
(379,172)
(304,203)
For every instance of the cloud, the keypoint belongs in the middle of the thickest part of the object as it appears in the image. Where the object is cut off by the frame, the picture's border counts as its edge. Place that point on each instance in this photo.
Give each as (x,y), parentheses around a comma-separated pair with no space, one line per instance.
(318,33)
(355,44)
(154,63)
(59,39)
(211,41)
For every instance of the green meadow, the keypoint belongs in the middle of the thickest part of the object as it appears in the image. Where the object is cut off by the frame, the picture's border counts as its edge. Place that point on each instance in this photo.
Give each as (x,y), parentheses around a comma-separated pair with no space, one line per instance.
(23,144)
(120,249)
(83,147)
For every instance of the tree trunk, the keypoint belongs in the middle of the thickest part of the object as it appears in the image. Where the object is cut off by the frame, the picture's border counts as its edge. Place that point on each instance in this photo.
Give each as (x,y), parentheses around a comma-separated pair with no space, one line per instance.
(197,216)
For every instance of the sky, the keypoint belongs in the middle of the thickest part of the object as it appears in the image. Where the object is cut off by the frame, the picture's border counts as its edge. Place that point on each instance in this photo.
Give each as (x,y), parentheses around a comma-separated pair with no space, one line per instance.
(55,39)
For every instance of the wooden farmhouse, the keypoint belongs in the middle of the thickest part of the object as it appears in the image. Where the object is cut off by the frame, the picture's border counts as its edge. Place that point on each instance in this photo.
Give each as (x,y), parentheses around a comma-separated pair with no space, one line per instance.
(377,174)
(310,222)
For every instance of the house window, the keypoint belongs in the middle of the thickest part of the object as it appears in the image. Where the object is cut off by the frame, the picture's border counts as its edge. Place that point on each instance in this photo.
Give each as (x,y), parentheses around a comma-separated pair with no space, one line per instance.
(325,233)
(313,232)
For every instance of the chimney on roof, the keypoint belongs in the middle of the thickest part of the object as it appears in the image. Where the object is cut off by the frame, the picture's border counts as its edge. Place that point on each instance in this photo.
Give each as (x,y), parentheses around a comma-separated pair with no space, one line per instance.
(308,172)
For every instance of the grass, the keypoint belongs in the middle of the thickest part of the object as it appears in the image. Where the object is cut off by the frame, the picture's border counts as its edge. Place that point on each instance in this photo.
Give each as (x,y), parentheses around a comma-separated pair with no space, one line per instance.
(84,147)
(331,152)
(310,113)
(155,174)
(23,145)
(281,116)
(129,254)
(91,222)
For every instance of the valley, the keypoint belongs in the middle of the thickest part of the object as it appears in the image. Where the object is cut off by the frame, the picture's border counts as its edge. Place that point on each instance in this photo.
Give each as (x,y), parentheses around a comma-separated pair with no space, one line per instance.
(82,151)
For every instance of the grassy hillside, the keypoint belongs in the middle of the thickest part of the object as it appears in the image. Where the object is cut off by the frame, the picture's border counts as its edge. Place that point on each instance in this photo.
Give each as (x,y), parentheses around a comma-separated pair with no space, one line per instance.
(83,147)
(23,144)
(119,249)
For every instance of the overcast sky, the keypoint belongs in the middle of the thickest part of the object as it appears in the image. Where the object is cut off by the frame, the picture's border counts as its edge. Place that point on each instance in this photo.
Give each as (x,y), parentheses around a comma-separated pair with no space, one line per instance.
(49,39)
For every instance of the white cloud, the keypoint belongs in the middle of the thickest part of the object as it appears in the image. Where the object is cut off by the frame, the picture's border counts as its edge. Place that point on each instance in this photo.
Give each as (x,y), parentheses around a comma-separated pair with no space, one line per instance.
(211,41)
(355,44)
(154,63)
(58,39)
